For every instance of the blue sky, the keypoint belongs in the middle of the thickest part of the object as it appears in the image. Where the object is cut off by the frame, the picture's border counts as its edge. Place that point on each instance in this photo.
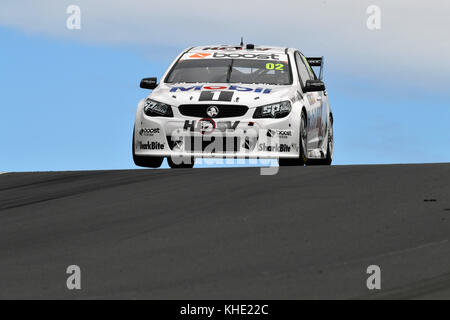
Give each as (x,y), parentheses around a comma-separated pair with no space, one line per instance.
(68,102)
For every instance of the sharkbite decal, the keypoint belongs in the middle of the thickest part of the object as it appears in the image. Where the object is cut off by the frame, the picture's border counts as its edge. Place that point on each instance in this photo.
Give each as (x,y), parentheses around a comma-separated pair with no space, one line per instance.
(232,88)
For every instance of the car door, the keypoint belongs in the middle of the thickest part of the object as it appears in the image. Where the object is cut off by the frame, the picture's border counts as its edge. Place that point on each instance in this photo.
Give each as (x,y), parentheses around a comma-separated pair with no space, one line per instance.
(313,103)
(322,98)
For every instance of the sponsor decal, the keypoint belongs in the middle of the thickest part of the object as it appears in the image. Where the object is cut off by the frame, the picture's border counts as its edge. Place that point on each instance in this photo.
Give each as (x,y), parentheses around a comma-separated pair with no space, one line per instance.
(276,148)
(207,125)
(311,99)
(216,96)
(282,134)
(257,54)
(231,87)
(295,146)
(249,143)
(199,55)
(233,48)
(227,125)
(149,132)
(274,109)
(151,145)
(262,56)
(314,118)
(212,111)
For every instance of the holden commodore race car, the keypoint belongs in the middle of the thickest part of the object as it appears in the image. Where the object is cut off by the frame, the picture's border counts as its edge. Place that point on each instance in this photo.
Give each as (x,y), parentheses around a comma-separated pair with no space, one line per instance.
(235,102)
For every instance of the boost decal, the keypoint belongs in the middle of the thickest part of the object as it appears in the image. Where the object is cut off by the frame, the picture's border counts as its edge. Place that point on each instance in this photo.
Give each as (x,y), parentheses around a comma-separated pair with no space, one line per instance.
(272,56)
(225,54)
(148,131)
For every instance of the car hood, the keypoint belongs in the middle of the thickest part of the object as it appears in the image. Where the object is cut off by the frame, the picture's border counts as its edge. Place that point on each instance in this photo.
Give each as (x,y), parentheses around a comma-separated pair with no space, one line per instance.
(251,95)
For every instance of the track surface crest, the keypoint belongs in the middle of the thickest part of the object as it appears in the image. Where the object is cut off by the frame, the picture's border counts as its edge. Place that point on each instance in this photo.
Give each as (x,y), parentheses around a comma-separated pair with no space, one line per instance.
(227,233)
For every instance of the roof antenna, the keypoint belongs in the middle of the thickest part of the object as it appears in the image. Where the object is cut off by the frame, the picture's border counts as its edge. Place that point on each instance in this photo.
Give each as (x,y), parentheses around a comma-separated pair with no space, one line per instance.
(242,42)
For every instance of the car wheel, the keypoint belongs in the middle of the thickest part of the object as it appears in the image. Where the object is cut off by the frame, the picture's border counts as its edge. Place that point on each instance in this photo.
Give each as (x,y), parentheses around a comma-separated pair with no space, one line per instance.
(146,162)
(185,163)
(300,161)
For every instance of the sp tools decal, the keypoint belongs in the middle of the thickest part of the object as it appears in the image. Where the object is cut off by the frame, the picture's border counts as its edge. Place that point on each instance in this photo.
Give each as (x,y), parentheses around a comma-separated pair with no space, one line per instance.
(216,96)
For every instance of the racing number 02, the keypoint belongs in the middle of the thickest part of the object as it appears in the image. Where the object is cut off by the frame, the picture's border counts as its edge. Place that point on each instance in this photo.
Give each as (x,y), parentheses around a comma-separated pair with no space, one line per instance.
(274,66)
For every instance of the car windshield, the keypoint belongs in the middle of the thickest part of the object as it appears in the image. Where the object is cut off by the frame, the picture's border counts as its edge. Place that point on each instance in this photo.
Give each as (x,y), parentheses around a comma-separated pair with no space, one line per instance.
(231,71)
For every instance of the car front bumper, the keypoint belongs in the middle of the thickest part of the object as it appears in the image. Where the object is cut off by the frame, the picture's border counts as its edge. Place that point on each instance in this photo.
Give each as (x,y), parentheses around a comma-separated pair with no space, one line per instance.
(220,138)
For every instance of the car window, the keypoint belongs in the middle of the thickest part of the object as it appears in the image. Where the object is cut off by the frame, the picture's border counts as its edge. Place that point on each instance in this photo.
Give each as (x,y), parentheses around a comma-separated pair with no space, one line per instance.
(231,71)
(312,75)
(302,70)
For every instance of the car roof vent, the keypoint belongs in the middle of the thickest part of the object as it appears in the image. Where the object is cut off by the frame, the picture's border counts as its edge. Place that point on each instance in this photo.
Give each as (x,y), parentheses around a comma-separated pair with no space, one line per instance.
(250,46)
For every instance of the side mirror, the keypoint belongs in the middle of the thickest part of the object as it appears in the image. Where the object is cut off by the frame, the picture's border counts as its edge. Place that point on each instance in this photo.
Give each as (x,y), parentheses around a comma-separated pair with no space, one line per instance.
(314,85)
(149,83)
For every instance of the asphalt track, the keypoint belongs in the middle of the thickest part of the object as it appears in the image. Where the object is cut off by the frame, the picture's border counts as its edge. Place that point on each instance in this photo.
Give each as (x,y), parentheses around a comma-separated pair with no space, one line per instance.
(305,233)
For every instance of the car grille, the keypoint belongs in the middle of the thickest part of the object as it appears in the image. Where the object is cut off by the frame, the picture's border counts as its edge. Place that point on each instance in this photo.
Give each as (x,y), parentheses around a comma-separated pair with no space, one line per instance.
(225,111)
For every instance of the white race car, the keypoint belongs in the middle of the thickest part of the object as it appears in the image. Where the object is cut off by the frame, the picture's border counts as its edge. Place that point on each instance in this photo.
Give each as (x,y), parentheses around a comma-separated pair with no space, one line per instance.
(235,102)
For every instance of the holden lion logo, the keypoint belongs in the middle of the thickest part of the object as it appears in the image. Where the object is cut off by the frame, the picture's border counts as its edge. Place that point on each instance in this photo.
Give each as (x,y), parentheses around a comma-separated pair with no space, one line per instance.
(212,111)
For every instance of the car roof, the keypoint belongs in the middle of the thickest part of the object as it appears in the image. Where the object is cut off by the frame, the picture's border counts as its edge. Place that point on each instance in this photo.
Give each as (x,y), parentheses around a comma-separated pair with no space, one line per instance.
(221,48)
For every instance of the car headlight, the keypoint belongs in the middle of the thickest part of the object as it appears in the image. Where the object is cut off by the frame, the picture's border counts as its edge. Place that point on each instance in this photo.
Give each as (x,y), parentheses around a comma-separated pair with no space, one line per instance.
(157,109)
(276,110)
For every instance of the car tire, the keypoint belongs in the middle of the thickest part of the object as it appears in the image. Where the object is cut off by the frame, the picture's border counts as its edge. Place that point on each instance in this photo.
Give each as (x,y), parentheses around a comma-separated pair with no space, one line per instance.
(183,165)
(146,162)
(301,160)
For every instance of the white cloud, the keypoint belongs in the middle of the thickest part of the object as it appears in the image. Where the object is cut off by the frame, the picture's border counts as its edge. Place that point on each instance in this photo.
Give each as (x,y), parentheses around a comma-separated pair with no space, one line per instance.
(412,43)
